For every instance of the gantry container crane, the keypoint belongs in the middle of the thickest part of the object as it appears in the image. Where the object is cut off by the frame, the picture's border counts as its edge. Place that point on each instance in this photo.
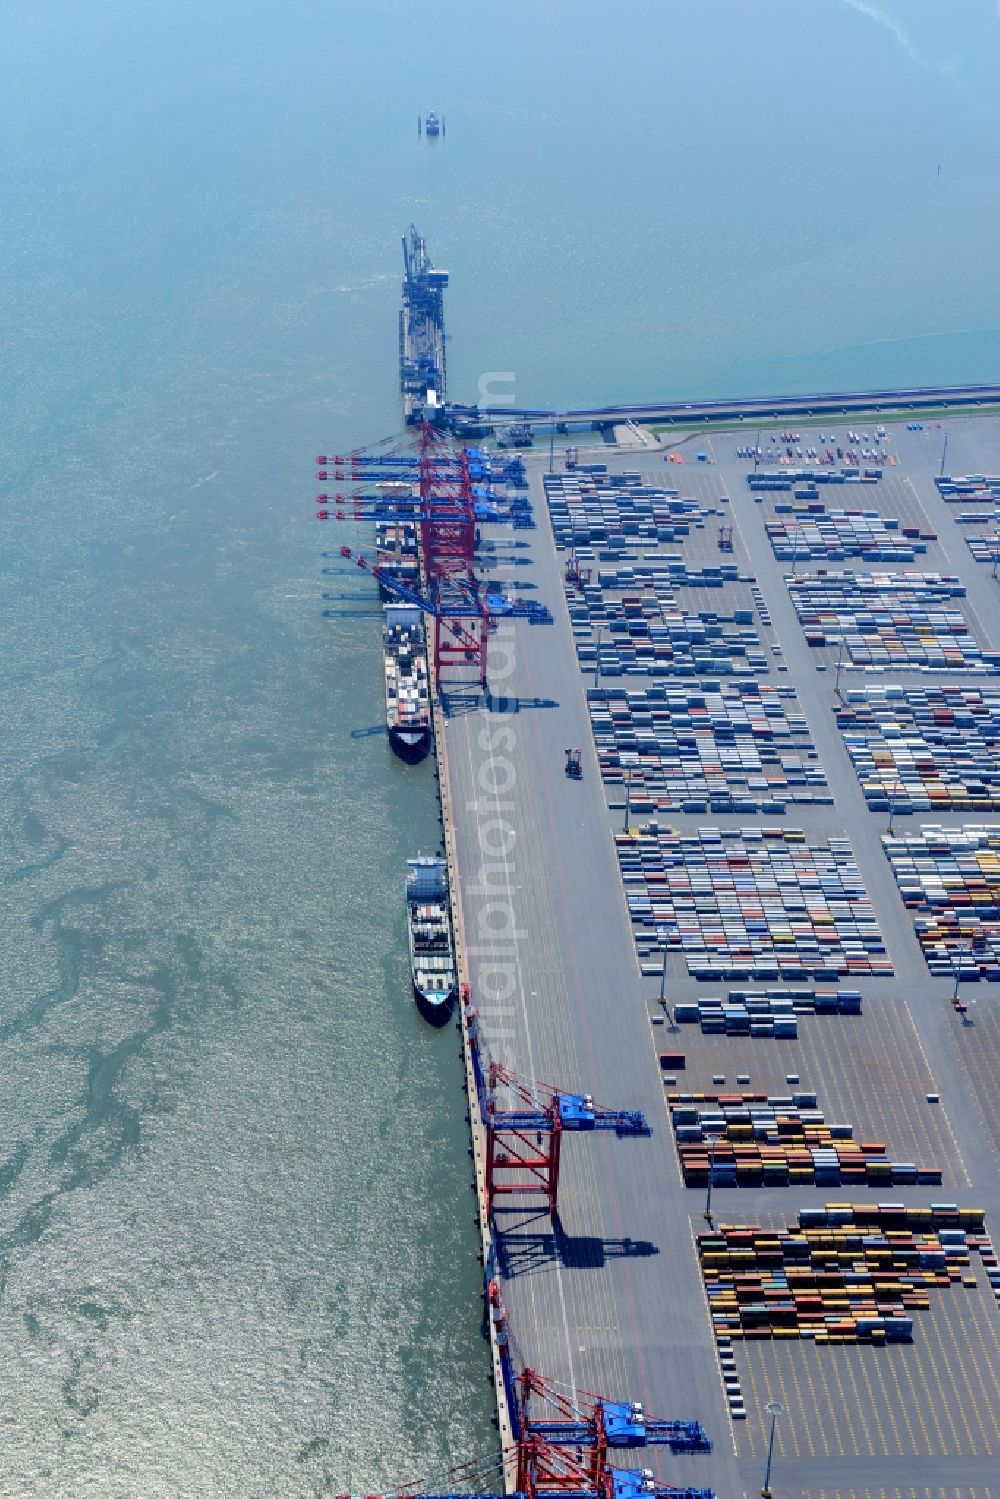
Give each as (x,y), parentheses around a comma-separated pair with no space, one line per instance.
(454,641)
(562,1451)
(450,503)
(524,1141)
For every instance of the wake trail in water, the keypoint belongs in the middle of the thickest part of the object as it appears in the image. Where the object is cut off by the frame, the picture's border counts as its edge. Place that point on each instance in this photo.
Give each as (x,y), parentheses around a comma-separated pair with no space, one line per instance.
(946,68)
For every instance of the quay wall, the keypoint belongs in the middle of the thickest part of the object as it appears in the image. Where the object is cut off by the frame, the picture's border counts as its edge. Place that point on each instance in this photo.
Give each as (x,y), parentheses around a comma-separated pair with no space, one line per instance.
(476,1130)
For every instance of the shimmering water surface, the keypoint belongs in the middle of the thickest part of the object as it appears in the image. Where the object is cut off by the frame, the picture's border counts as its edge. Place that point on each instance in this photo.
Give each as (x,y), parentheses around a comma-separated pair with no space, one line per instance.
(236,1242)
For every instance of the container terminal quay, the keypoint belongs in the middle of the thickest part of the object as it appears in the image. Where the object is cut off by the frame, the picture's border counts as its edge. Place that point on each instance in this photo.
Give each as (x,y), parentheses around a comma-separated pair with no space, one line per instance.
(723,845)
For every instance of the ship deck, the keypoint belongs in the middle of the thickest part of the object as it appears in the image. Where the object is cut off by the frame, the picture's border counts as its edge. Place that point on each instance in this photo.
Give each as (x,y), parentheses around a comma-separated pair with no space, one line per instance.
(611,1297)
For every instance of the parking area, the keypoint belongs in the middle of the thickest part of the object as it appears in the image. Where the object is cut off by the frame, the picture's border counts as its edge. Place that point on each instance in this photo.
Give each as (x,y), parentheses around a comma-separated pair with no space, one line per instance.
(979,1043)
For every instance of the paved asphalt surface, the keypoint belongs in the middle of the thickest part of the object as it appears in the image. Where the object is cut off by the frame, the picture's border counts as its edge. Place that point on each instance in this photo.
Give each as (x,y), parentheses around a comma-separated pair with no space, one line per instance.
(610,1298)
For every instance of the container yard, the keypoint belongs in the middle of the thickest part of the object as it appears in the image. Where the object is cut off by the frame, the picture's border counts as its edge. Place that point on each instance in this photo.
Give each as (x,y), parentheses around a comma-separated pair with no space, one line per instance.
(950,879)
(924,749)
(842,1273)
(619,511)
(764,1012)
(758,903)
(744,1139)
(730,748)
(720,924)
(969,489)
(811,532)
(890,620)
(985,547)
(867,1068)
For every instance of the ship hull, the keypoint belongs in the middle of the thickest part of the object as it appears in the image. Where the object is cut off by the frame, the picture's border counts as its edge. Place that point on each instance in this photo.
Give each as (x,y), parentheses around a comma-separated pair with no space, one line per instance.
(433,975)
(410,744)
(407,687)
(434,1010)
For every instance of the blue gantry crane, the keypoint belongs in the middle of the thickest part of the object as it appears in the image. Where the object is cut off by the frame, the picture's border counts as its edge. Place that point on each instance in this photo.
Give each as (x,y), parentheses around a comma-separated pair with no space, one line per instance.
(561,1450)
(445,492)
(579,1419)
(455,603)
(481,463)
(488,506)
(450,606)
(461,602)
(559,1478)
(486,473)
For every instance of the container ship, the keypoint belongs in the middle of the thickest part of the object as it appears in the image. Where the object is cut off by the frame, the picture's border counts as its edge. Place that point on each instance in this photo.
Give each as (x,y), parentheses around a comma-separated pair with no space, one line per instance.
(432,954)
(396,555)
(422,372)
(407,692)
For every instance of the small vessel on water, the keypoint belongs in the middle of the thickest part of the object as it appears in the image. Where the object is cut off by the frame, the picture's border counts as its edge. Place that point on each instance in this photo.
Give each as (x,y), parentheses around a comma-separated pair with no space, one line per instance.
(407,686)
(434,126)
(432,953)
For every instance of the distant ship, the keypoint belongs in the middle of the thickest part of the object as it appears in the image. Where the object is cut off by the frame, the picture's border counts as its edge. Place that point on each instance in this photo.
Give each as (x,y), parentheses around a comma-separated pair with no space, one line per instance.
(407,689)
(432,125)
(515,435)
(432,955)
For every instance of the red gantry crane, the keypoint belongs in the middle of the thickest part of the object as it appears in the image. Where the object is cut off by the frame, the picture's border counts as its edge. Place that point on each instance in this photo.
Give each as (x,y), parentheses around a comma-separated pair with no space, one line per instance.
(561,1451)
(461,619)
(445,509)
(524,1133)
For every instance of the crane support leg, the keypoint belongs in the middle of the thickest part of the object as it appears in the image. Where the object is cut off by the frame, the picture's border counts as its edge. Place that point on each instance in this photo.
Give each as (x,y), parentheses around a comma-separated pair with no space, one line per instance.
(519,1164)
